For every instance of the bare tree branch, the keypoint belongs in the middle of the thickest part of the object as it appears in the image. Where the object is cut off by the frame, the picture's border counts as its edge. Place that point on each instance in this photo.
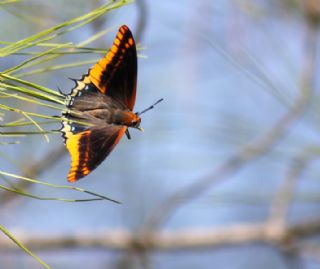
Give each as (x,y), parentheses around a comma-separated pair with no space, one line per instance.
(252,151)
(170,240)
(281,202)
(282,199)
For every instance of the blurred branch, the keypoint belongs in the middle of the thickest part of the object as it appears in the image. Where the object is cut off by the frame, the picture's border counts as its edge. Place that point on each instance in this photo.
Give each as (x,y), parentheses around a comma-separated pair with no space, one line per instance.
(282,201)
(45,162)
(171,240)
(252,151)
(142,19)
(283,198)
(312,10)
(33,170)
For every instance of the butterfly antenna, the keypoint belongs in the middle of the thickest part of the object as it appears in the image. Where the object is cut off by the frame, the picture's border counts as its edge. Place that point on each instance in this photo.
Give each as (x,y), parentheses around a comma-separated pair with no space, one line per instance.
(149,108)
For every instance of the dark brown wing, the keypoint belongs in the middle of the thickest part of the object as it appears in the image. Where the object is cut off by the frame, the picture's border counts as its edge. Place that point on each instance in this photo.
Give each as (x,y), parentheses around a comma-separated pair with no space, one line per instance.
(88,148)
(116,74)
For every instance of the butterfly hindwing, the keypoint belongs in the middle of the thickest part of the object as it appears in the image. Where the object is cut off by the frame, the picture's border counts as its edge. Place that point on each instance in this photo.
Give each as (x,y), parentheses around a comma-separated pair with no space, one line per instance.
(90,147)
(116,74)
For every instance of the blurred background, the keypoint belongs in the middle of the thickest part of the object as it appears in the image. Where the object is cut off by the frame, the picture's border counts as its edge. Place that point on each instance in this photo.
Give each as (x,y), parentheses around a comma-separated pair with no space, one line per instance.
(226,174)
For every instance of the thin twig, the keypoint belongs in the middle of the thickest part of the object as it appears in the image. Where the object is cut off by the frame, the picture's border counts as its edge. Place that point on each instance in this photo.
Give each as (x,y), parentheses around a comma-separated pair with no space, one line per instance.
(281,202)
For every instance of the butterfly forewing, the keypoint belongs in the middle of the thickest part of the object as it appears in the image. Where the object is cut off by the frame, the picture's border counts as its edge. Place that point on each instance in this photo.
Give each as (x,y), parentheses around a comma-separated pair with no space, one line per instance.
(116,74)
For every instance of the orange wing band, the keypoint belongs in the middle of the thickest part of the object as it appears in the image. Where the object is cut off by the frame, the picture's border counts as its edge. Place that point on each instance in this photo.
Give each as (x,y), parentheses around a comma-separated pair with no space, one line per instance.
(96,72)
(79,152)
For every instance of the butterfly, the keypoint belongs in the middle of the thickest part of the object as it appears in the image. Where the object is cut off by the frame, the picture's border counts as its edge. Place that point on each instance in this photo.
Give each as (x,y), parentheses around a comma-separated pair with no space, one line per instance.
(99,108)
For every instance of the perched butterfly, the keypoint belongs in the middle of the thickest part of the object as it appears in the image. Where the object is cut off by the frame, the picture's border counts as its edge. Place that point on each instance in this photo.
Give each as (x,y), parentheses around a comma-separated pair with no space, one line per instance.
(99,107)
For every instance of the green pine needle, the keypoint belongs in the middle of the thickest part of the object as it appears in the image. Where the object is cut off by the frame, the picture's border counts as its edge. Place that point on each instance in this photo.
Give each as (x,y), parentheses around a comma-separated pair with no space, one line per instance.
(4,2)
(55,31)
(57,186)
(22,193)
(39,49)
(24,248)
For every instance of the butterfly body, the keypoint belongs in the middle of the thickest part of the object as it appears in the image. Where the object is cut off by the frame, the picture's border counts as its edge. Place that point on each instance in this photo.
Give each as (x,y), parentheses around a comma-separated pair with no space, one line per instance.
(102,109)
(99,107)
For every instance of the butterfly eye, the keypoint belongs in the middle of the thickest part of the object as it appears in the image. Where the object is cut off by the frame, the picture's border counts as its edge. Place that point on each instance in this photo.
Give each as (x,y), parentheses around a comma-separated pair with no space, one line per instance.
(136,122)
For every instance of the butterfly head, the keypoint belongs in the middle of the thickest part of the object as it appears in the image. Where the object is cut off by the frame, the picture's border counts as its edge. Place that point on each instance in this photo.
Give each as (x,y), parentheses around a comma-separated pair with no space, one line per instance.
(127,118)
(135,122)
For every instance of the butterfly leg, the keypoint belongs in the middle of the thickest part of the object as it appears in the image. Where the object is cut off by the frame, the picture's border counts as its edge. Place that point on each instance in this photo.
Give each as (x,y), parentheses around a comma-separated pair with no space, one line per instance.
(128,134)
